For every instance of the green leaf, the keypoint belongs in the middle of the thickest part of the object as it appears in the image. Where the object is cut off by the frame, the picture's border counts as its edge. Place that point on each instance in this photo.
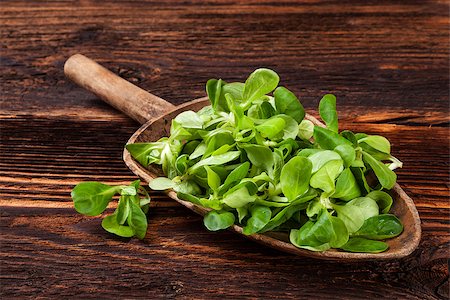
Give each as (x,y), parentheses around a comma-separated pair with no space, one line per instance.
(140,152)
(328,139)
(187,187)
(378,143)
(386,176)
(260,156)
(327,111)
(319,159)
(364,245)
(235,176)
(216,160)
(324,178)
(213,179)
(123,210)
(242,213)
(199,151)
(128,191)
(287,103)
(347,153)
(361,180)
(380,227)
(189,119)
(235,89)
(271,128)
(383,199)
(340,233)
(315,236)
(355,212)
(182,163)
(161,184)
(346,186)
(92,198)
(111,225)
(290,129)
(287,212)
(305,130)
(260,216)
(350,136)
(295,176)
(214,89)
(137,220)
(218,220)
(239,197)
(264,110)
(259,83)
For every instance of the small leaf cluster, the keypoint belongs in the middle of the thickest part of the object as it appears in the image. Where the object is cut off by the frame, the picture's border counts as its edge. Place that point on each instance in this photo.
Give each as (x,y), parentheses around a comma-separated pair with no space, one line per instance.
(128,220)
(254,161)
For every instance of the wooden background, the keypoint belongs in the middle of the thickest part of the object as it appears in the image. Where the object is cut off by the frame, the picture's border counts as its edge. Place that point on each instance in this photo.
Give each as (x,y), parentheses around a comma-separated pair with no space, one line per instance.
(387,62)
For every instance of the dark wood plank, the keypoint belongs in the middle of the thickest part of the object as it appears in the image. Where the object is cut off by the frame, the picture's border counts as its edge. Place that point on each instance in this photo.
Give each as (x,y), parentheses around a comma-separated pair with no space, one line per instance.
(386,61)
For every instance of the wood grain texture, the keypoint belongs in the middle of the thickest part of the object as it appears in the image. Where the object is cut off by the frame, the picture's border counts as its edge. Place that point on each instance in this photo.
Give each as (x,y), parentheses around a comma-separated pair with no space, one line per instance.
(387,62)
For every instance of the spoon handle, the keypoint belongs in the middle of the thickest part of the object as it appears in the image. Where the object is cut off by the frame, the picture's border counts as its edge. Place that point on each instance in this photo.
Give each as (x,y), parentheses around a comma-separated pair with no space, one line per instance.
(121,94)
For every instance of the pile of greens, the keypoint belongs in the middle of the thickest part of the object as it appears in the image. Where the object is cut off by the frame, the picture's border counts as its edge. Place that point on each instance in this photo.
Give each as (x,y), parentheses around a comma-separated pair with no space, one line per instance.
(254,161)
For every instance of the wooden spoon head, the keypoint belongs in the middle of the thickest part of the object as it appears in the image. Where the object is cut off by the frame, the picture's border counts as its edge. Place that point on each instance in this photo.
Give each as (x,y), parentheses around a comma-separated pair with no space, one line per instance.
(403,207)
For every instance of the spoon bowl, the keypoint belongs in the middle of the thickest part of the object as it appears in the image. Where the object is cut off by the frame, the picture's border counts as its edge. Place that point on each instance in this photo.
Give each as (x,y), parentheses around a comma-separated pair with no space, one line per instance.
(143,106)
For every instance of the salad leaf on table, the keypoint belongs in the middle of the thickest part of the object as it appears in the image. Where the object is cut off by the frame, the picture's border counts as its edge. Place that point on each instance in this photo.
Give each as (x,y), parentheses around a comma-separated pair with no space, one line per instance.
(128,220)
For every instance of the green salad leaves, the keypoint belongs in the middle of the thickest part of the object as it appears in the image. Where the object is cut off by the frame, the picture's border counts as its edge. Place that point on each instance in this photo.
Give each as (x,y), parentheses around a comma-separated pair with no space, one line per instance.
(129,219)
(254,161)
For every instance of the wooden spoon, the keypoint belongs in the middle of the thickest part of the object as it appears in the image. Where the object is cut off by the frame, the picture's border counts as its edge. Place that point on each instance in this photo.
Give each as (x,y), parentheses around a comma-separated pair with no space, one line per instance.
(156,115)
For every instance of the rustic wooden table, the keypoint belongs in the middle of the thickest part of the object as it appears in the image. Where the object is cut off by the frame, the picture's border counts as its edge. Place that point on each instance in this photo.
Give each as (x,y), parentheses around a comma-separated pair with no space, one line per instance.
(387,63)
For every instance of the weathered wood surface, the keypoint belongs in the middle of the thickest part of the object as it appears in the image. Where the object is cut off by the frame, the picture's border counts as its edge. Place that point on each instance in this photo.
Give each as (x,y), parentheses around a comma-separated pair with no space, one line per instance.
(387,63)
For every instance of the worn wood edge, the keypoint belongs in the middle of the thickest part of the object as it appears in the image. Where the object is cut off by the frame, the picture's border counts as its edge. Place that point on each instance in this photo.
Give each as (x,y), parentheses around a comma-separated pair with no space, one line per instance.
(265,238)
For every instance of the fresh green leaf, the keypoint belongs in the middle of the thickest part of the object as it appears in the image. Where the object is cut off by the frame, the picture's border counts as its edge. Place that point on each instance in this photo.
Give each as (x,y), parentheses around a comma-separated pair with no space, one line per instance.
(380,227)
(305,130)
(295,177)
(328,139)
(123,210)
(378,143)
(355,212)
(214,89)
(260,156)
(216,160)
(315,236)
(347,153)
(271,128)
(319,159)
(340,233)
(364,245)
(218,220)
(361,180)
(346,186)
(386,176)
(189,119)
(350,136)
(110,224)
(324,178)
(259,83)
(213,179)
(260,216)
(239,197)
(137,220)
(327,111)
(235,176)
(161,184)
(92,198)
(287,103)
(290,129)
(141,151)
(383,199)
